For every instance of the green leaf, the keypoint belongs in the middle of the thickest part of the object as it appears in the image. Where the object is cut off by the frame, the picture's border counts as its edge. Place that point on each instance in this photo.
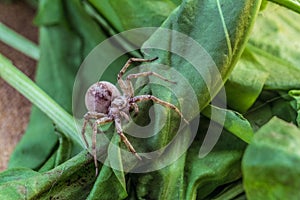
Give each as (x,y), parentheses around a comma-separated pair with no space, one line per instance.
(125,15)
(220,166)
(228,192)
(46,12)
(109,176)
(71,180)
(234,122)
(269,163)
(49,164)
(167,183)
(296,95)
(107,186)
(270,60)
(294,5)
(230,26)
(272,50)
(244,85)
(85,27)
(260,115)
(264,4)
(270,104)
(16,174)
(283,110)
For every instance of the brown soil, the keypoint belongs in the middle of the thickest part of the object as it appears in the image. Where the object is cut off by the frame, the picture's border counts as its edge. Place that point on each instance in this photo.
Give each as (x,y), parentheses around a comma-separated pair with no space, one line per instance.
(14,108)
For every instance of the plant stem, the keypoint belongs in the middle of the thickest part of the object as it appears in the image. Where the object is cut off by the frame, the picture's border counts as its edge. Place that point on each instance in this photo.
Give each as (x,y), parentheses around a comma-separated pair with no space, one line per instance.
(39,98)
(293,5)
(19,42)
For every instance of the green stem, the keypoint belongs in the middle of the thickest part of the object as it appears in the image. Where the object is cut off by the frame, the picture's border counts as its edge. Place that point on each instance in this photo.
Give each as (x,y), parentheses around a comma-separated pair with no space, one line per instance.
(39,98)
(293,5)
(19,42)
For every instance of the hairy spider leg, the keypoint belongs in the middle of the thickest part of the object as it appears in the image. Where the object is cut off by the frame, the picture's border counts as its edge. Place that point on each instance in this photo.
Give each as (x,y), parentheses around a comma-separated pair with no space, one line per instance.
(124,138)
(149,73)
(100,121)
(122,84)
(125,116)
(135,108)
(142,74)
(158,101)
(83,131)
(87,117)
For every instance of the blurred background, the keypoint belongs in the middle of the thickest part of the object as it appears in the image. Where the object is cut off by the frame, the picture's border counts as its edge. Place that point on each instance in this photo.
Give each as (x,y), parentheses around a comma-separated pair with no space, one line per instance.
(14,108)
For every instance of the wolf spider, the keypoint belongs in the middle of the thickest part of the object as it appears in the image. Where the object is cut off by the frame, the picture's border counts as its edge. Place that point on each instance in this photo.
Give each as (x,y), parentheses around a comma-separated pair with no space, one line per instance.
(105,104)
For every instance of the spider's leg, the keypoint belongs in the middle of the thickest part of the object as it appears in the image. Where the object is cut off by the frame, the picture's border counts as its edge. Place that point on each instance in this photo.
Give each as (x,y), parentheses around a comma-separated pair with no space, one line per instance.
(135,107)
(149,73)
(130,90)
(159,101)
(94,115)
(124,138)
(102,120)
(121,83)
(83,132)
(131,60)
(125,115)
(87,119)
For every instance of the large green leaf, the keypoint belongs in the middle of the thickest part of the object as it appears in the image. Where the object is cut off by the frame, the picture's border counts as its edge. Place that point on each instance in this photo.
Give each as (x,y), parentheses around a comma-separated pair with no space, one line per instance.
(270,162)
(244,84)
(231,27)
(167,183)
(192,176)
(124,15)
(230,24)
(290,4)
(270,60)
(108,176)
(220,166)
(271,51)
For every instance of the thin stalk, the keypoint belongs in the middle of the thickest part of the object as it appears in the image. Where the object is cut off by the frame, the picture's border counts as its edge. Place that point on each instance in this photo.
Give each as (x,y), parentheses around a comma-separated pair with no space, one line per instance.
(17,41)
(39,98)
(293,5)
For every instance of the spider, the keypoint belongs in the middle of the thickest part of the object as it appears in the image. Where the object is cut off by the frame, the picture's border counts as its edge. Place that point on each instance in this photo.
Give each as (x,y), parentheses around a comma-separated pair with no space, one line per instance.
(105,104)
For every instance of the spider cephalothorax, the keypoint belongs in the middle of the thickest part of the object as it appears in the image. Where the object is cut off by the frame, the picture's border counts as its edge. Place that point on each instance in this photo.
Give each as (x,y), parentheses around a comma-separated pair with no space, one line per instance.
(106,104)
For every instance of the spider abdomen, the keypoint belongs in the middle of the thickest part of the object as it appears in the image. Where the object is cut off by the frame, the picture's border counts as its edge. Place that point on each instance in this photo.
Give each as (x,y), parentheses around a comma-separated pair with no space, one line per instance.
(99,96)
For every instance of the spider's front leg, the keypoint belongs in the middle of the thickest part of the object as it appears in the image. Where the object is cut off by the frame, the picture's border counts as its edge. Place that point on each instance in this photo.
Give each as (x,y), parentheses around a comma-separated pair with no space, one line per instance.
(87,119)
(135,108)
(144,74)
(125,87)
(100,121)
(131,60)
(124,138)
(158,101)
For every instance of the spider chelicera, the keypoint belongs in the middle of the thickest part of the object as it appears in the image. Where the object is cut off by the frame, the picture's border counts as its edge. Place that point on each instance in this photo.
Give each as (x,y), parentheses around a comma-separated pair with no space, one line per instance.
(106,104)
